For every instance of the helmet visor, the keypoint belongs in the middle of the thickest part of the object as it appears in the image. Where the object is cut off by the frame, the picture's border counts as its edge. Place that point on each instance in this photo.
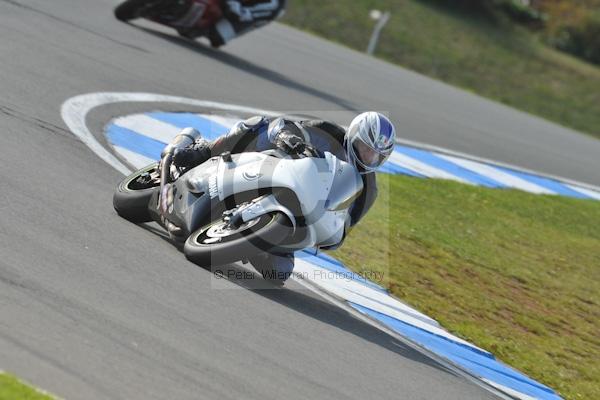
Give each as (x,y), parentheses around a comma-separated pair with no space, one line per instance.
(367,157)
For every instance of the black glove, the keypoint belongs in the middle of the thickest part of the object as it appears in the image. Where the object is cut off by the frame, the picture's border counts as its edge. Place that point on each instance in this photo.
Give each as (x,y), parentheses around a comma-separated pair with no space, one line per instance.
(193,155)
(291,144)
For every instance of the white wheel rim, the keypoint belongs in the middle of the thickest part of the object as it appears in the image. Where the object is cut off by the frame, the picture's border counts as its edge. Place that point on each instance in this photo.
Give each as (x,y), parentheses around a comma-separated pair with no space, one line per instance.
(222,230)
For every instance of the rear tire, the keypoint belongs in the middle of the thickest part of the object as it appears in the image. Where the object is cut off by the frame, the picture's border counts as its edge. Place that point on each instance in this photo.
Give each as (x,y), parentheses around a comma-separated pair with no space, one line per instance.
(129,10)
(262,234)
(131,202)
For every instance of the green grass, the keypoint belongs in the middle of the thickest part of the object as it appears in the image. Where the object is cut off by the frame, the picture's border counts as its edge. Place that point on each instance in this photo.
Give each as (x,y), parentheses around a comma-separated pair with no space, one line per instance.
(515,273)
(498,61)
(13,389)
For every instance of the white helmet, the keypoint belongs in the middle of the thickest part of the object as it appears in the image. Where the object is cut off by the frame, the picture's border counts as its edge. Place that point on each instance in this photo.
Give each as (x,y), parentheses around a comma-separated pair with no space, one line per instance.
(370,141)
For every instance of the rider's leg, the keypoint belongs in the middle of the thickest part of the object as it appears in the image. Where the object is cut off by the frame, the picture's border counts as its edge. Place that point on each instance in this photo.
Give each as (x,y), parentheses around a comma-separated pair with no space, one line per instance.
(222,32)
(227,29)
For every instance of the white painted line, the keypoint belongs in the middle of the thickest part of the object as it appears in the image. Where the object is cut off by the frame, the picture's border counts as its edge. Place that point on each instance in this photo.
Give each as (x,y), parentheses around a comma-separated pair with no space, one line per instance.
(497,175)
(592,193)
(136,160)
(358,289)
(75,110)
(423,168)
(509,391)
(148,126)
(384,300)
(73,113)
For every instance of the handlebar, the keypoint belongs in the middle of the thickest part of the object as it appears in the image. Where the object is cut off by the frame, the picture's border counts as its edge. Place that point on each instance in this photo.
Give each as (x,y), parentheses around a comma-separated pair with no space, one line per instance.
(311,151)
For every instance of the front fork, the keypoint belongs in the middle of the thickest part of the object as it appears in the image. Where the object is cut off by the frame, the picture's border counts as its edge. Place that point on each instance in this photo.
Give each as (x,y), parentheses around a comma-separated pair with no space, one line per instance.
(256,208)
(165,178)
(165,199)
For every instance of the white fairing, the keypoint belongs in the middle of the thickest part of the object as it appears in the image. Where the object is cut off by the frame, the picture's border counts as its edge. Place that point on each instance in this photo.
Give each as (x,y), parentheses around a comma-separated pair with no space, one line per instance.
(311,179)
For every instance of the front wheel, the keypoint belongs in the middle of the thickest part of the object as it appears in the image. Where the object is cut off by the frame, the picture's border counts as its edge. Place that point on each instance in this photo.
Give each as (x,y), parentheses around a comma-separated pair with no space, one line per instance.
(133,194)
(218,243)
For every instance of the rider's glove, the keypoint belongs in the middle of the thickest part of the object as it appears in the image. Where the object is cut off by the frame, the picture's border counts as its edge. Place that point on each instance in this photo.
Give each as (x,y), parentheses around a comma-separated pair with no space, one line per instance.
(193,155)
(289,143)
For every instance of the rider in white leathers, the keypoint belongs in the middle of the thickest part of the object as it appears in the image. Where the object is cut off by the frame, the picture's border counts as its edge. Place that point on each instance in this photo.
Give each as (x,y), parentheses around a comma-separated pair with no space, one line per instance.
(367,144)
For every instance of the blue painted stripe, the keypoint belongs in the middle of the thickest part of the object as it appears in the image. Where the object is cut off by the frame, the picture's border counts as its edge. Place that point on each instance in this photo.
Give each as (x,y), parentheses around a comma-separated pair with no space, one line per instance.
(134,142)
(480,364)
(547,183)
(331,264)
(209,129)
(445,340)
(395,169)
(430,158)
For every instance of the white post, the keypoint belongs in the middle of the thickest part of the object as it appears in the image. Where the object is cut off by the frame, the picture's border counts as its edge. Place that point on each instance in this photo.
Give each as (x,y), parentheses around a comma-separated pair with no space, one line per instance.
(382,19)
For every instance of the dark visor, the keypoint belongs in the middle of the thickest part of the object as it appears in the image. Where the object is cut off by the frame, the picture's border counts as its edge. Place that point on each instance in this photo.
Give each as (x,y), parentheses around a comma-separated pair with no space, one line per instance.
(367,156)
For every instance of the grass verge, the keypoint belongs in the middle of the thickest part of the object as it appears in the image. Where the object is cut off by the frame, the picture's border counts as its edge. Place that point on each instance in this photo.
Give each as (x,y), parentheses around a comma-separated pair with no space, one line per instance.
(499,61)
(515,273)
(13,389)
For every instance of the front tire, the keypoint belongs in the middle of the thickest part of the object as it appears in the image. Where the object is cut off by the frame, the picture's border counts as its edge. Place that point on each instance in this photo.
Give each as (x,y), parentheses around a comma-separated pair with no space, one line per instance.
(131,197)
(215,245)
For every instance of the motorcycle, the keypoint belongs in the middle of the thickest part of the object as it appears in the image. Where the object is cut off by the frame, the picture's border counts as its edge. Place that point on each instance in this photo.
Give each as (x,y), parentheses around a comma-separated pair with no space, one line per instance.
(236,206)
(191,18)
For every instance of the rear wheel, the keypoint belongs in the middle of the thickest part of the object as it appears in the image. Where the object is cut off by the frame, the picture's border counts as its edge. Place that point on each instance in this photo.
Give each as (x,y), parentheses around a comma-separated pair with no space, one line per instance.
(218,243)
(133,194)
(129,9)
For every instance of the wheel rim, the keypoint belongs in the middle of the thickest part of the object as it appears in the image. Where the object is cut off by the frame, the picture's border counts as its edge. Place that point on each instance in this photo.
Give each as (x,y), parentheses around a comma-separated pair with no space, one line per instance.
(132,183)
(222,231)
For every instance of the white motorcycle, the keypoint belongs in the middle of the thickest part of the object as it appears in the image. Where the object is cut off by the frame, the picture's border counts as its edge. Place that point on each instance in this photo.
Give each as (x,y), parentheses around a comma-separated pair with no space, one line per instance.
(236,206)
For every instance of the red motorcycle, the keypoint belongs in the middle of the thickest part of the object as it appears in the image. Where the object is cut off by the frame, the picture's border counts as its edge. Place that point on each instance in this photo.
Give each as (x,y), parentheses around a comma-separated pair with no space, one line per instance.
(191,18)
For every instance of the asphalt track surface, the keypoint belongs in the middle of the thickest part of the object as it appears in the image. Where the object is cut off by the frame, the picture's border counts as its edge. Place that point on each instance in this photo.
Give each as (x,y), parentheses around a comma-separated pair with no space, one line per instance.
(93,307)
